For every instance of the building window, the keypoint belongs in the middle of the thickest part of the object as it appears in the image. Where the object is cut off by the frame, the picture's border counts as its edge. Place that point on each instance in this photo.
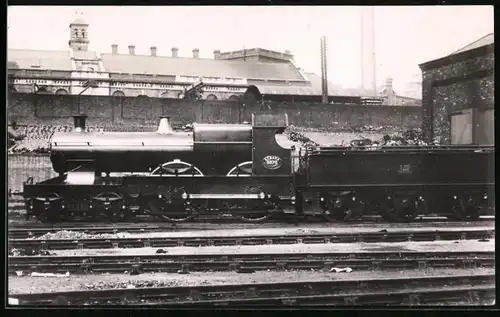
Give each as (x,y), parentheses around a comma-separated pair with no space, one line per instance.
(142,100)
(83,33)
(61,92)
(42,90)
(211,97)
(118,93)
(233,97)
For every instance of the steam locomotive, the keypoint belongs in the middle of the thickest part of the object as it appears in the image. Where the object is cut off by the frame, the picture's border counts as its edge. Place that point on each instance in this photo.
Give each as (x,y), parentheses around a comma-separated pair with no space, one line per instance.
(244,170)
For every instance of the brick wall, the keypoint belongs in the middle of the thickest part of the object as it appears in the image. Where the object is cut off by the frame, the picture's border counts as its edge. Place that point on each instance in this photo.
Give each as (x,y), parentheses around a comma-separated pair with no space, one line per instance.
(456,85)
(23,166)
(105,110)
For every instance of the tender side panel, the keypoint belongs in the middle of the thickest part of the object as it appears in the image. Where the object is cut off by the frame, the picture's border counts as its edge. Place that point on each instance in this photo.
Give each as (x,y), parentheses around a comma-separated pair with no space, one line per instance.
(417,167)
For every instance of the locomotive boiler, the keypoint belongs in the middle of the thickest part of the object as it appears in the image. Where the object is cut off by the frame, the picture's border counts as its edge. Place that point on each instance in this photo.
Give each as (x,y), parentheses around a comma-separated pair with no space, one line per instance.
(243,170)
(211,149)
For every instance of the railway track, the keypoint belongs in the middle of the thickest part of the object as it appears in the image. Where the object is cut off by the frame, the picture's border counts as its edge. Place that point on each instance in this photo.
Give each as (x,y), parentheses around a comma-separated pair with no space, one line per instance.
(247,263)
(17,211)
(478,289)
(23,231)
(255,239)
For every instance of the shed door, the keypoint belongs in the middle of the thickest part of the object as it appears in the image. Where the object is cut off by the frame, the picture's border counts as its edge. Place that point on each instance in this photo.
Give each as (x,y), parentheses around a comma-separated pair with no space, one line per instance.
(486,127)
(461,127)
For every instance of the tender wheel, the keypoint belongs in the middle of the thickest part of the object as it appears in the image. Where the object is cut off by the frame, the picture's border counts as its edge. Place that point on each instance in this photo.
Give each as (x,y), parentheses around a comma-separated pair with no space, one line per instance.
(172,207)
(464,209)
(400,209)
(341,207)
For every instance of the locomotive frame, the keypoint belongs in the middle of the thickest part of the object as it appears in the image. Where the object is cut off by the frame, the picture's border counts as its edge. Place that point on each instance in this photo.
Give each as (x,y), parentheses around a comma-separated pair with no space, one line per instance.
(166,177)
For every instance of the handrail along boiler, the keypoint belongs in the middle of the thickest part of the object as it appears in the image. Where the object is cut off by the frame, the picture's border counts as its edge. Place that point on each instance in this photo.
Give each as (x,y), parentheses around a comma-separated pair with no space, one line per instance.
(243,169)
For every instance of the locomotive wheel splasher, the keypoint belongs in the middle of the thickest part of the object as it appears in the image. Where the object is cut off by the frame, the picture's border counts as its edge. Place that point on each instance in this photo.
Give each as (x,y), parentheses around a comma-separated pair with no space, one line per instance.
(177,167)
(242,169)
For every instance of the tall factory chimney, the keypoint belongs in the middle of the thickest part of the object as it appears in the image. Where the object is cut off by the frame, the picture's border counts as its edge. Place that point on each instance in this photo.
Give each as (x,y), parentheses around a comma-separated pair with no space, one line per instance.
(368,61)
(324,72)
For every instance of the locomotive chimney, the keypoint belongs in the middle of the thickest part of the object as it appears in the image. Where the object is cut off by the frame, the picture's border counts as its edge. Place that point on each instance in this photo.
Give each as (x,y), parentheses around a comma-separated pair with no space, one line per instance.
(80,121)
(164,126)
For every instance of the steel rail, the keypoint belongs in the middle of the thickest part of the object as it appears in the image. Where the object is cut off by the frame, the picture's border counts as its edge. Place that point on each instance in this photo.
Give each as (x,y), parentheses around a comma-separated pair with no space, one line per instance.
(245,263)
(468,295)
(18,212)
(168,242)
(284,293)
(23,231)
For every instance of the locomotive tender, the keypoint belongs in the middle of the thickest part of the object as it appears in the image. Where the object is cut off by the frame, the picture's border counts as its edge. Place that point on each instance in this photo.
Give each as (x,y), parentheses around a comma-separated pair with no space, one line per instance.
(242,169)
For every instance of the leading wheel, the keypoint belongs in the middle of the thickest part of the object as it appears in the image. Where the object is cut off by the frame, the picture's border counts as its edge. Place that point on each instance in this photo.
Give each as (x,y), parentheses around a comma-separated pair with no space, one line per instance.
(109,205)
(49,209)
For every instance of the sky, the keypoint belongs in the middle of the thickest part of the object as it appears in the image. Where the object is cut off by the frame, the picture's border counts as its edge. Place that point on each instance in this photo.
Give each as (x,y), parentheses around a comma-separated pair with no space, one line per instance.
(405,36)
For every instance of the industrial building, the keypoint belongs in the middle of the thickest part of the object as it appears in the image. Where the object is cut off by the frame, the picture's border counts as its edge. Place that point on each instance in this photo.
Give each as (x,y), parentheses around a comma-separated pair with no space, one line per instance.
(458,95)
(251,73)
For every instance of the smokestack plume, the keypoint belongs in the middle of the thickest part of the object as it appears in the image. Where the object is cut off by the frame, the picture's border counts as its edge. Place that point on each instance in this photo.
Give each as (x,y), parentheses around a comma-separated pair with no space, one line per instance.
(324,71)
(164,127)
(175,51)
(80,123)
(131,49)
(153,50)
(114,49)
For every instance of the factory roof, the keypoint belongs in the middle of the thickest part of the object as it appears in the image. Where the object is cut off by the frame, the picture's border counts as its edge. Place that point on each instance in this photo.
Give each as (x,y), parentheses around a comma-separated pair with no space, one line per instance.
(38,59)
(485,40)
(146,64)
(480,47)
(157,65)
